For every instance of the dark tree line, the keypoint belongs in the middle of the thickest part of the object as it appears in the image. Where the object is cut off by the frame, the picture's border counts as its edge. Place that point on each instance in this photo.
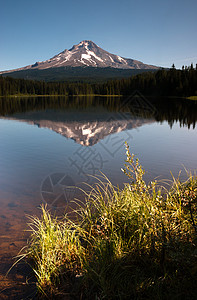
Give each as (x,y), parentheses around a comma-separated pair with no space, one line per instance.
(163,83)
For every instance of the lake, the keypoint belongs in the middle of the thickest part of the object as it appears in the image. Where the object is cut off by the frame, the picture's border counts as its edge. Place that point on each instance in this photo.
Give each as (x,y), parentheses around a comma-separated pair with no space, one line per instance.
(52,146)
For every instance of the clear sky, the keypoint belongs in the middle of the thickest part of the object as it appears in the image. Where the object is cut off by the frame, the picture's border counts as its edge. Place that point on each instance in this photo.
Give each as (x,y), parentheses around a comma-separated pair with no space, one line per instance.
(158,32)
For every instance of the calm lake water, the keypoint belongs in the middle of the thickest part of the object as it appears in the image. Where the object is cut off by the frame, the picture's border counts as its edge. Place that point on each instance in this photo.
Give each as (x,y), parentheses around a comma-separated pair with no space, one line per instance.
(50,146)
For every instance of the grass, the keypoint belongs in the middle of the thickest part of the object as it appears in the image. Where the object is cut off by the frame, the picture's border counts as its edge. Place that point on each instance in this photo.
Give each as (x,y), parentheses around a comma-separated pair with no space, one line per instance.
(192,98)
(134,243)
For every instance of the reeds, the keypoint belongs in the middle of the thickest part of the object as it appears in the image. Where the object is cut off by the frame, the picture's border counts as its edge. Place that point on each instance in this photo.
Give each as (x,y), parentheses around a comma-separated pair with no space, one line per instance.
(134,243)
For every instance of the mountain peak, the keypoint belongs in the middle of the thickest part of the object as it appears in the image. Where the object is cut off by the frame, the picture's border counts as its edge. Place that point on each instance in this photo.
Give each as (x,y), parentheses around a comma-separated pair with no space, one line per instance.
(87,44)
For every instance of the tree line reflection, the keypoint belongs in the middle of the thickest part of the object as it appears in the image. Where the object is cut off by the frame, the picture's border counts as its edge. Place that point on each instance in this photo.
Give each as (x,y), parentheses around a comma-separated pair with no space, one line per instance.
(171,110)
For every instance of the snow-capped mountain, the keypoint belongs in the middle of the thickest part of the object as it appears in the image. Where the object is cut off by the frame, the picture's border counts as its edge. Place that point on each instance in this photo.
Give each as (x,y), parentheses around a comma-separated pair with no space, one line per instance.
(86,54)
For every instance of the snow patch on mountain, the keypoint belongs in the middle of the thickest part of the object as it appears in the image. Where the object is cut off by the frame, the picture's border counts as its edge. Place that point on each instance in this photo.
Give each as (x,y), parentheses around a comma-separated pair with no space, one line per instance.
(111,58)
(85,56)
(93,54)
(122,59)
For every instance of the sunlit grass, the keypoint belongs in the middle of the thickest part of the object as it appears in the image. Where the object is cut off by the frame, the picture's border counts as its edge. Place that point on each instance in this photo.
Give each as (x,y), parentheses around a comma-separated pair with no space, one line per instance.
(192,98)
(138,242)
(55,249)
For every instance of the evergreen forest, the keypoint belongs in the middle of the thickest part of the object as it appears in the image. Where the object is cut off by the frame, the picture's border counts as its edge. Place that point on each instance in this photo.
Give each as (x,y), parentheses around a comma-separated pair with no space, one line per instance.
(164,82)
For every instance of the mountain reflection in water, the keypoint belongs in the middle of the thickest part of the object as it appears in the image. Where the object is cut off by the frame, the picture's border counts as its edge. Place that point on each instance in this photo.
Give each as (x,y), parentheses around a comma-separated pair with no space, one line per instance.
(87,120)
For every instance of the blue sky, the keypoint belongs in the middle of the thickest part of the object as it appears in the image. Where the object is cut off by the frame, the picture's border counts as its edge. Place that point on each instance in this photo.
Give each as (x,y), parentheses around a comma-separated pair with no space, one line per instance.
(155,32)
